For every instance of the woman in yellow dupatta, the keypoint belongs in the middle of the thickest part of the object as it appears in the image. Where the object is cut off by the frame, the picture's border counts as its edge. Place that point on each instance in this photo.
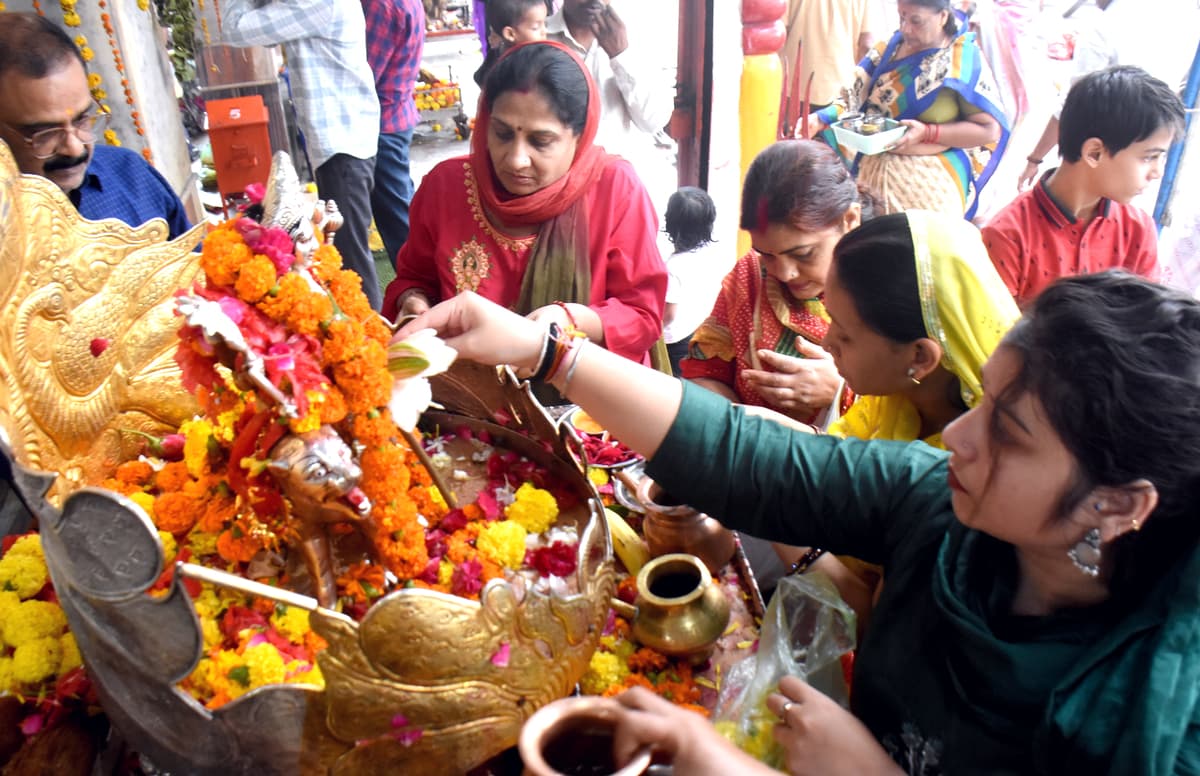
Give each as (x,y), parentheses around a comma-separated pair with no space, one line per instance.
(915,309)
(910,337)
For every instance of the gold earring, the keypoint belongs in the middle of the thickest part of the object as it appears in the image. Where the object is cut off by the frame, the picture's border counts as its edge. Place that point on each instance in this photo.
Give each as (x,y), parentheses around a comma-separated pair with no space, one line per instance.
(1135,526)
(912,375)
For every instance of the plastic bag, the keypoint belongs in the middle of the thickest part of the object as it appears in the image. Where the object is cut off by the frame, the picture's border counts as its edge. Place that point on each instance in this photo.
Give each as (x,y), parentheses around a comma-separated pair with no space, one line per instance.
(805,632)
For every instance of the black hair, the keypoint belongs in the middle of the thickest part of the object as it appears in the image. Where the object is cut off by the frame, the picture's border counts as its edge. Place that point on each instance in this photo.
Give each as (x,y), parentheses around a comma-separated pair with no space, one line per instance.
(689,219)
(551,72)
(509,13)
(1114,361)
(33,46)
(1120,105)
(951,25)
(802,183)
(876,264)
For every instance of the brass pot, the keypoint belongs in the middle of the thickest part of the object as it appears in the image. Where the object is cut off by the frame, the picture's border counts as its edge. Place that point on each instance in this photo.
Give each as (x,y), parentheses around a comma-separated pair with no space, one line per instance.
(673,527)
(680,610)
(575,736)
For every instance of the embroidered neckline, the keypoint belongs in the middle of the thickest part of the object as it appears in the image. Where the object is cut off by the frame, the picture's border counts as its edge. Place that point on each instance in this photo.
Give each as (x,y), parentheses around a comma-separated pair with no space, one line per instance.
(517,244)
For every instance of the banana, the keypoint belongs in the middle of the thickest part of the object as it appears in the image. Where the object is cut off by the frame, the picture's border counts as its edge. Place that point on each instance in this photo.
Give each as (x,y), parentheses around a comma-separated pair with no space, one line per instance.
(630,547)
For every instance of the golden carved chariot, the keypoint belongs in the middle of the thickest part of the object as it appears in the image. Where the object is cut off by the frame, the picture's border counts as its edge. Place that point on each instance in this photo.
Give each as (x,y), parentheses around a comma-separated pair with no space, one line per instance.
(67,283)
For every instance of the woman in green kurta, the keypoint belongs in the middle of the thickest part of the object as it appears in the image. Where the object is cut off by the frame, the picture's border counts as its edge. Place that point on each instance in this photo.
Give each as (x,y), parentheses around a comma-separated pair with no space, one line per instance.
(1042,611)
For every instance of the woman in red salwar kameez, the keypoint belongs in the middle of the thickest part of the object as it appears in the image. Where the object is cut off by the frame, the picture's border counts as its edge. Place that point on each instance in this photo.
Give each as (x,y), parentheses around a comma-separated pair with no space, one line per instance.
(537,218)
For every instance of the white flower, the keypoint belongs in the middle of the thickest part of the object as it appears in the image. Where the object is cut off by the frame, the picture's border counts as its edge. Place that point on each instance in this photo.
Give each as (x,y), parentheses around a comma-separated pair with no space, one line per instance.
(411,361)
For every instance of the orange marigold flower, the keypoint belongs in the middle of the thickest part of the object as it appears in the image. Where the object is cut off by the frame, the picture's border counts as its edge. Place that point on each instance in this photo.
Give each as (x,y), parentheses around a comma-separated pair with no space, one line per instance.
(175,512)
(292,287)
(221,508)
(646,660)
(365,380)
(223,255)
(343,340)
(134,473)
(377,330)
(363,581)
(256,279)
(346,287)
(327,260)
(333,409)
(237,549)
(373,431)
(172,477)
(385,473)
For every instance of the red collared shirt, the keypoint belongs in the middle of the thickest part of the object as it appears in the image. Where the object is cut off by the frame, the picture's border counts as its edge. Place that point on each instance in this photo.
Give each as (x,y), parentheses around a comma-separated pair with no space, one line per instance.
(1034,241)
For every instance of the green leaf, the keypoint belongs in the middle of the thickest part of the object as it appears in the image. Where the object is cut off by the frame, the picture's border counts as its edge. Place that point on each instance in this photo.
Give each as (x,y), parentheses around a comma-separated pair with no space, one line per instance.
(241,675)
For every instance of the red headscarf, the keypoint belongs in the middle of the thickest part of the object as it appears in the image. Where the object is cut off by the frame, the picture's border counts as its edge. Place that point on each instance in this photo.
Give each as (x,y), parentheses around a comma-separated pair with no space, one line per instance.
(551,201)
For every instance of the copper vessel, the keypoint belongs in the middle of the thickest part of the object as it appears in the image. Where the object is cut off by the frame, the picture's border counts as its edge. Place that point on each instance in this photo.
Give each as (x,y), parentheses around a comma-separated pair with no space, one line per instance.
(680,610)
(674,527)
(573,736)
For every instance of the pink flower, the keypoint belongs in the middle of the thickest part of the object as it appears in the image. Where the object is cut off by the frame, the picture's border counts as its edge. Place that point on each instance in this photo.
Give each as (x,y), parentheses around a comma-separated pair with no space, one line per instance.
(467,579)
(255,192)
(500,659)
(557,560)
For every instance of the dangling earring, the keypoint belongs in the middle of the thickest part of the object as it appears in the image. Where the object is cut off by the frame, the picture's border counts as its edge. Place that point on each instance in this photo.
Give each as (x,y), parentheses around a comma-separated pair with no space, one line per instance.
(1086,553)
(912,375)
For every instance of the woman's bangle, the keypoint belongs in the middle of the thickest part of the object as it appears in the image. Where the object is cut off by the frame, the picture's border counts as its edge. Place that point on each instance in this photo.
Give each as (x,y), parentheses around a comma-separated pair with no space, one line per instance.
(577,352)
(933,132)
(806,561)
(1033,161)
(549,348)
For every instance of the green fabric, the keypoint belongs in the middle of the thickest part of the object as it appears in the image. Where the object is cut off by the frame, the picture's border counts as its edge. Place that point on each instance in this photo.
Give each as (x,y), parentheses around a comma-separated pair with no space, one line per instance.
(558,268)
(946,678)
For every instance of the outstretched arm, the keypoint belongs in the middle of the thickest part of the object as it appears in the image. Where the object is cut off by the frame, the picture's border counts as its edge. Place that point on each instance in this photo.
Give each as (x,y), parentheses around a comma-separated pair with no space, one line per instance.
(635,403)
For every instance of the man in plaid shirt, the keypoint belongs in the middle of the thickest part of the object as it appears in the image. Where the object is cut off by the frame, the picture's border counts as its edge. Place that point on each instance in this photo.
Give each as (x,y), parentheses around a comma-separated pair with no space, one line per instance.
(324,42)
(395,40)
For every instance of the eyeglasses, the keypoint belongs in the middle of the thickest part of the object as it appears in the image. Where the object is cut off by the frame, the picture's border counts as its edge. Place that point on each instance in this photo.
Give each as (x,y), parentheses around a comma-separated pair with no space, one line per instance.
(46,142)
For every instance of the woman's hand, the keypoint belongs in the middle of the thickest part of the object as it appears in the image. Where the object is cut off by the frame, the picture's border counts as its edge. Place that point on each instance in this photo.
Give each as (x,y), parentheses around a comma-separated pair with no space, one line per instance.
(482,331)
(687,740)
(815,126)
(800,387)
(916,135)
(821,738)
(571,315)
(413,302)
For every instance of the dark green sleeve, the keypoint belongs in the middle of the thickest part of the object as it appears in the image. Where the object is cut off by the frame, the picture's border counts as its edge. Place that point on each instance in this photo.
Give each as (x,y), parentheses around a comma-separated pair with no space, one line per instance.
(845,495)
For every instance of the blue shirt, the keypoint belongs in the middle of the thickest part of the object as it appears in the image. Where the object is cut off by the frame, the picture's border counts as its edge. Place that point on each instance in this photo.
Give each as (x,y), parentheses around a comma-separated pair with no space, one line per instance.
(121,184)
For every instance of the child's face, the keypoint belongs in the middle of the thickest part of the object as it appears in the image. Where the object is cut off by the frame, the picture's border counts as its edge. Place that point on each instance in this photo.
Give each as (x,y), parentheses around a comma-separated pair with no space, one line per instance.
(531,27)
(1128,172)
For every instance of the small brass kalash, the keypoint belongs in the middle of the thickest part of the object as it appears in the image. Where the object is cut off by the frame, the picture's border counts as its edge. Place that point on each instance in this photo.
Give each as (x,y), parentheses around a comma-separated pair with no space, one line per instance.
(66,282)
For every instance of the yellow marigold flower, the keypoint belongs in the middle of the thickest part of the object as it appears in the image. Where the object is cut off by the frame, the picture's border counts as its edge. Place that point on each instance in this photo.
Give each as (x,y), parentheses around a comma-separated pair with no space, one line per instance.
(201,543)
(100,95)
(196,433)
(9,601)
(81,40)
(210,629)
(36,660)
(310,422)
(71,19)
(503,542)
(33,620)
(534,508)
(604,670)
(207,604)
(145,501)
(30,544)
(265,664)
(67,5)
(8,683)
(70,653)
(23,574)
(94,80)
(197,683)
(225,423)
(291,622)
(228,674)
(598,476)
(87,53)
(170,548)
(143,4)
(445,573)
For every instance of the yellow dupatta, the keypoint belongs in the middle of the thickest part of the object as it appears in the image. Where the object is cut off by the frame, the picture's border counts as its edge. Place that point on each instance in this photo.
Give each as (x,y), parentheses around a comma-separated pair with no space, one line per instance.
(966,308)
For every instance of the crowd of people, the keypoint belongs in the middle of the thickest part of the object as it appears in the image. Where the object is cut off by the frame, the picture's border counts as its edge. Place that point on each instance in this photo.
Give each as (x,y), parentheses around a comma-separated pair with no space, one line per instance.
(983,436)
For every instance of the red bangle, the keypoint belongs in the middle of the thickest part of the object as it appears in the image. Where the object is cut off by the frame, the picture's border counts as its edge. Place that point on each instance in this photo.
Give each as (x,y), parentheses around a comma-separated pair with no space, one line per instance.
(933,132)
(570,316)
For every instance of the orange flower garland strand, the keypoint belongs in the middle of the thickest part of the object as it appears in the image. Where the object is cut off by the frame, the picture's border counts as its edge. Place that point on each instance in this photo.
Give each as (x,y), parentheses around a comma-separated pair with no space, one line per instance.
(119,62)
(353,346)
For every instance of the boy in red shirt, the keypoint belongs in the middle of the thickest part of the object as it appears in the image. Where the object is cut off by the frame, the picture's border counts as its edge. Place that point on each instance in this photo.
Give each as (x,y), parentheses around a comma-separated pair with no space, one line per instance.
(1116,127)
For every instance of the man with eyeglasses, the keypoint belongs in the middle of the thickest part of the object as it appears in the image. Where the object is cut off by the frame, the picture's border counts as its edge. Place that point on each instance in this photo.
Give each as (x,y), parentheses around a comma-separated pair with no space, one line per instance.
(55,129)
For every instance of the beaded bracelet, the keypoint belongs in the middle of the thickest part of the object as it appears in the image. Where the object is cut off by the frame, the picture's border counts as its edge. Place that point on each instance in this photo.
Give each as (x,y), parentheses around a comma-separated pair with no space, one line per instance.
(806,561)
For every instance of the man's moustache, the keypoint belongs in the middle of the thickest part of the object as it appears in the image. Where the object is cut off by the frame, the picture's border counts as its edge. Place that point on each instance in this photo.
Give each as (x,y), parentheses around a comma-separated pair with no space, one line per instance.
(63,162)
